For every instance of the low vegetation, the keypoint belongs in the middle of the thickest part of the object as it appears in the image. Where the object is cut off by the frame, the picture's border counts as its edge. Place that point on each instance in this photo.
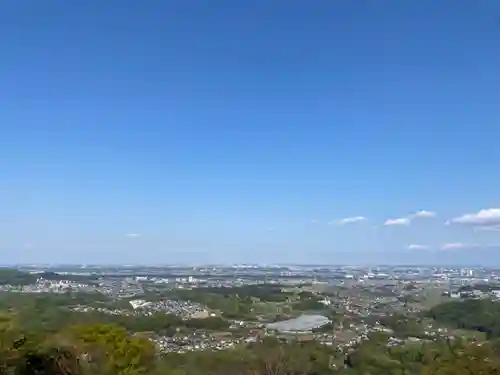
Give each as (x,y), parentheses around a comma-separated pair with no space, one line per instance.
(481,315)
(38,337)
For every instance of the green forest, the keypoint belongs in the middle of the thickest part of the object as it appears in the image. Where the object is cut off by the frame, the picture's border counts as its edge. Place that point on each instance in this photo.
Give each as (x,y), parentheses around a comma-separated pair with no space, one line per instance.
(38,337)
(481,315)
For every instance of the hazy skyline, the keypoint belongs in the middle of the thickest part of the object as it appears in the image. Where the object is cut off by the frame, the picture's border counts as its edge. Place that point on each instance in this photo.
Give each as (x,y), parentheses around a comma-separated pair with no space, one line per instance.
(258,132)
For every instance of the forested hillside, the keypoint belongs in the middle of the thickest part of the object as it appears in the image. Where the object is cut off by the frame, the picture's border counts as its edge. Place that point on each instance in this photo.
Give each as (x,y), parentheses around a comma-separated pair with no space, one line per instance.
(478,314)
(109,349)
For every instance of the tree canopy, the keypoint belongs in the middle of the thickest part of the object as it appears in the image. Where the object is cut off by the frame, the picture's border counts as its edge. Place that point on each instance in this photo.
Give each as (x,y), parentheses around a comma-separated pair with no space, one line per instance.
(477,314)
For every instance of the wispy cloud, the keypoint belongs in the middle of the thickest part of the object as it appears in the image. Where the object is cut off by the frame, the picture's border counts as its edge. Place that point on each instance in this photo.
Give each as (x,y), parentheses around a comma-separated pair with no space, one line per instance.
(415,246)
(424,214)
(406,220)
(487,229)
(398,221)
(463,246)
(455,246)
(350,220)
(133,235)
(485,219)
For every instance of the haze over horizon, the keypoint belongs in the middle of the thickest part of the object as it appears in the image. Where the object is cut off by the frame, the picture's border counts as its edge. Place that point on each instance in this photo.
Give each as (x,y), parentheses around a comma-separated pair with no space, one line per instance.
(250,132)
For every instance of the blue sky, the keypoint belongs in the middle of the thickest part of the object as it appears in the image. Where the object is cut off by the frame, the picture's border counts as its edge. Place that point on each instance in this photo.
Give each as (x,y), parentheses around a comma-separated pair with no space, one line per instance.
(225,131)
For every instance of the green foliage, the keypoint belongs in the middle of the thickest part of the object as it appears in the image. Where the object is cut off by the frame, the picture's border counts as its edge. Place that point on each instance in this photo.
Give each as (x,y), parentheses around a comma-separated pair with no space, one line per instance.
(308,305)
(211,323)
(111,350)
(475,314)
(50,313)
(15,277)
(53,276)
(404,326)
(164,324)
(237,302)
(94,346)
(327,328)
(264,293)
(436,358)
(267,358)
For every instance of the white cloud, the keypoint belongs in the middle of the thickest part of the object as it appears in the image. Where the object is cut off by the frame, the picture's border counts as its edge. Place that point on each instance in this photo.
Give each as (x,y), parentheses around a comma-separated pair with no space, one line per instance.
(351,220)
(133,235)
(398,221)
(314,221)
(461,246)
(417,247)
(488,229)
(408,219)
(424,214)
(488,219)
(455,246)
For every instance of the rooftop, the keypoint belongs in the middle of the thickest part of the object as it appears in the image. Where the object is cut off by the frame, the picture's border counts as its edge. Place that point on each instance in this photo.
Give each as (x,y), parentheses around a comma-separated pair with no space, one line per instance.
(301,323)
